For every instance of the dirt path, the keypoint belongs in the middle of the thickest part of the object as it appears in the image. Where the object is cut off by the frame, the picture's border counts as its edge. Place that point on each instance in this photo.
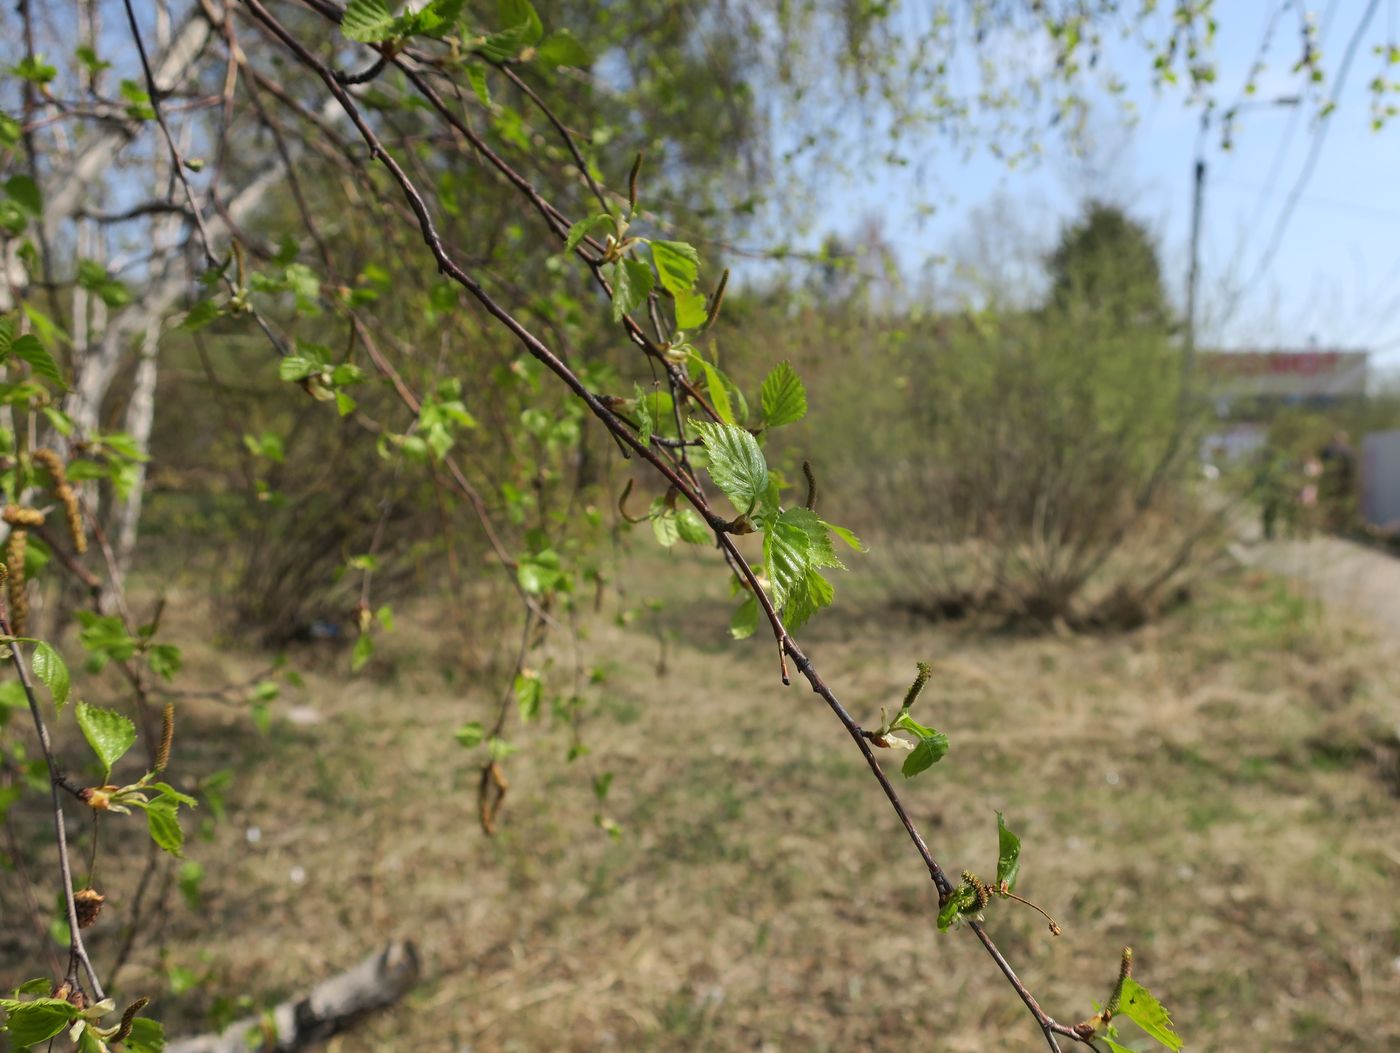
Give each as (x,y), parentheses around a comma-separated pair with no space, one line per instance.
(1347,576)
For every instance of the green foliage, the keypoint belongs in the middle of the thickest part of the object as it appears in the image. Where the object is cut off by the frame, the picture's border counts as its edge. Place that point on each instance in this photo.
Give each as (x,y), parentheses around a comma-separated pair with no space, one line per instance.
(37,1020)
(784,399)
(960,902)
(108,733)
(736,464)
(1139,1005)
(1008,855)
(49,667)
(677,264)
(928,751)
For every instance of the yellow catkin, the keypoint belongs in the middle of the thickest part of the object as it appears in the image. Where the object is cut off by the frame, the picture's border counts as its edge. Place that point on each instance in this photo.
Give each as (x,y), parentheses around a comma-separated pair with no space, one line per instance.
(64,495)
(19,598)
(19,516)
(167,737)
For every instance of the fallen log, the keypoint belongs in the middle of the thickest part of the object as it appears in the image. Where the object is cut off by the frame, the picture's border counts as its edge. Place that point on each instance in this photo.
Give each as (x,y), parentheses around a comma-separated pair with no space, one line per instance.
(327,1009)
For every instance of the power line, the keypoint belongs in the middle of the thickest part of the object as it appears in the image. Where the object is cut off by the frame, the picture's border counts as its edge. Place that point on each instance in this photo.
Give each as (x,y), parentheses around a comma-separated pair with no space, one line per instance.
(1319,139)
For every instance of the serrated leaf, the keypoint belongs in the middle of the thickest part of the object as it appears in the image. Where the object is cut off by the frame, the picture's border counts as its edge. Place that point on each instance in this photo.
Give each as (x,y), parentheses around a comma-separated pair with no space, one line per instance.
(677,263)
(367,21)
(147,1036)
(663,525)
(25,191)
(522,28)
(783,397)
(1008,854)
(810,595)
(846,535)
(904,722)
(520,14)
(804,519)
(562,48)
(645,425)
(691,310)
(36,1021)
(436,19)
(1140,1006)
(1113,1046)
(631,280)
(163,822)
(585,227)
(692,529)
(528,692)
(200,315)
(925,755)
(165,789)
(470,734)
(745,620)
(108,733)
(476,75)
(718,389)
(28,349)
(49,667)
(363,652)
(737,465)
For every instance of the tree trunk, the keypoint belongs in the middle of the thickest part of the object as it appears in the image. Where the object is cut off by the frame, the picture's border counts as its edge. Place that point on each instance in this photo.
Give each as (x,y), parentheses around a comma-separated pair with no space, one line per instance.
(327,1009)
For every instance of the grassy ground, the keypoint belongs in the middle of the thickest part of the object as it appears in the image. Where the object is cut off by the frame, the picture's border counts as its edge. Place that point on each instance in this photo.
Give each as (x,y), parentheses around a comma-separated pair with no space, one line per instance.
(1220,790)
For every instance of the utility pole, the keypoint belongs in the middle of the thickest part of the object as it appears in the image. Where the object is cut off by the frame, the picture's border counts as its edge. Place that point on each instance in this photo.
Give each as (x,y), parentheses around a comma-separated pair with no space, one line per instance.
(1198,190)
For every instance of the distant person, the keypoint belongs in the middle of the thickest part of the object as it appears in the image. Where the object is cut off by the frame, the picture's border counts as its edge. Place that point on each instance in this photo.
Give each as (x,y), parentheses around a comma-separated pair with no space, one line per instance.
(1276,494)
(1337,485)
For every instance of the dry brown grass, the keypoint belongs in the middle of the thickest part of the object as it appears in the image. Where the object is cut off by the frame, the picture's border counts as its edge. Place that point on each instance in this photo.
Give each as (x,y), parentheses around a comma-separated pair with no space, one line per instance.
(1219,789)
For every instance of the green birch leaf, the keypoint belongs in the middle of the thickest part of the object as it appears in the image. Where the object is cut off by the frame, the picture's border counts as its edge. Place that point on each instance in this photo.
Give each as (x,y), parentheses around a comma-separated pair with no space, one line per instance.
(562,48)
(807,597)
(1008,855)
(367,21)
(745,620)
(471,734)
(200,315)
(108,733)
(163,822)
(645,425)
(476,75)
(26,192)
(631,281)
(1139,1005)
(692,529)
(1113,1046)
(49,667)
(737,465)
(677,263)
(846,535)
(520,15)
(783,397)
(28,349)
(787,556)
(663,525)
(36,1021)
(585,227)
(528,692)
(363,652)
(147,1036)
(691,309)
(715,383)
(925,755)
(819,541)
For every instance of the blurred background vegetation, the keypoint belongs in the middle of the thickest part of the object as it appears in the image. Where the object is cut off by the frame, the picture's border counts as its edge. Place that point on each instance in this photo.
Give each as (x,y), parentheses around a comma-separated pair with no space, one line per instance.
(1200,751)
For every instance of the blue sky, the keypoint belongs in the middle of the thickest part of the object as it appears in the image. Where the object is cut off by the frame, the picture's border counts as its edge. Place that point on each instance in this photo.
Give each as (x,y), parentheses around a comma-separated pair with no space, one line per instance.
(1335,276)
